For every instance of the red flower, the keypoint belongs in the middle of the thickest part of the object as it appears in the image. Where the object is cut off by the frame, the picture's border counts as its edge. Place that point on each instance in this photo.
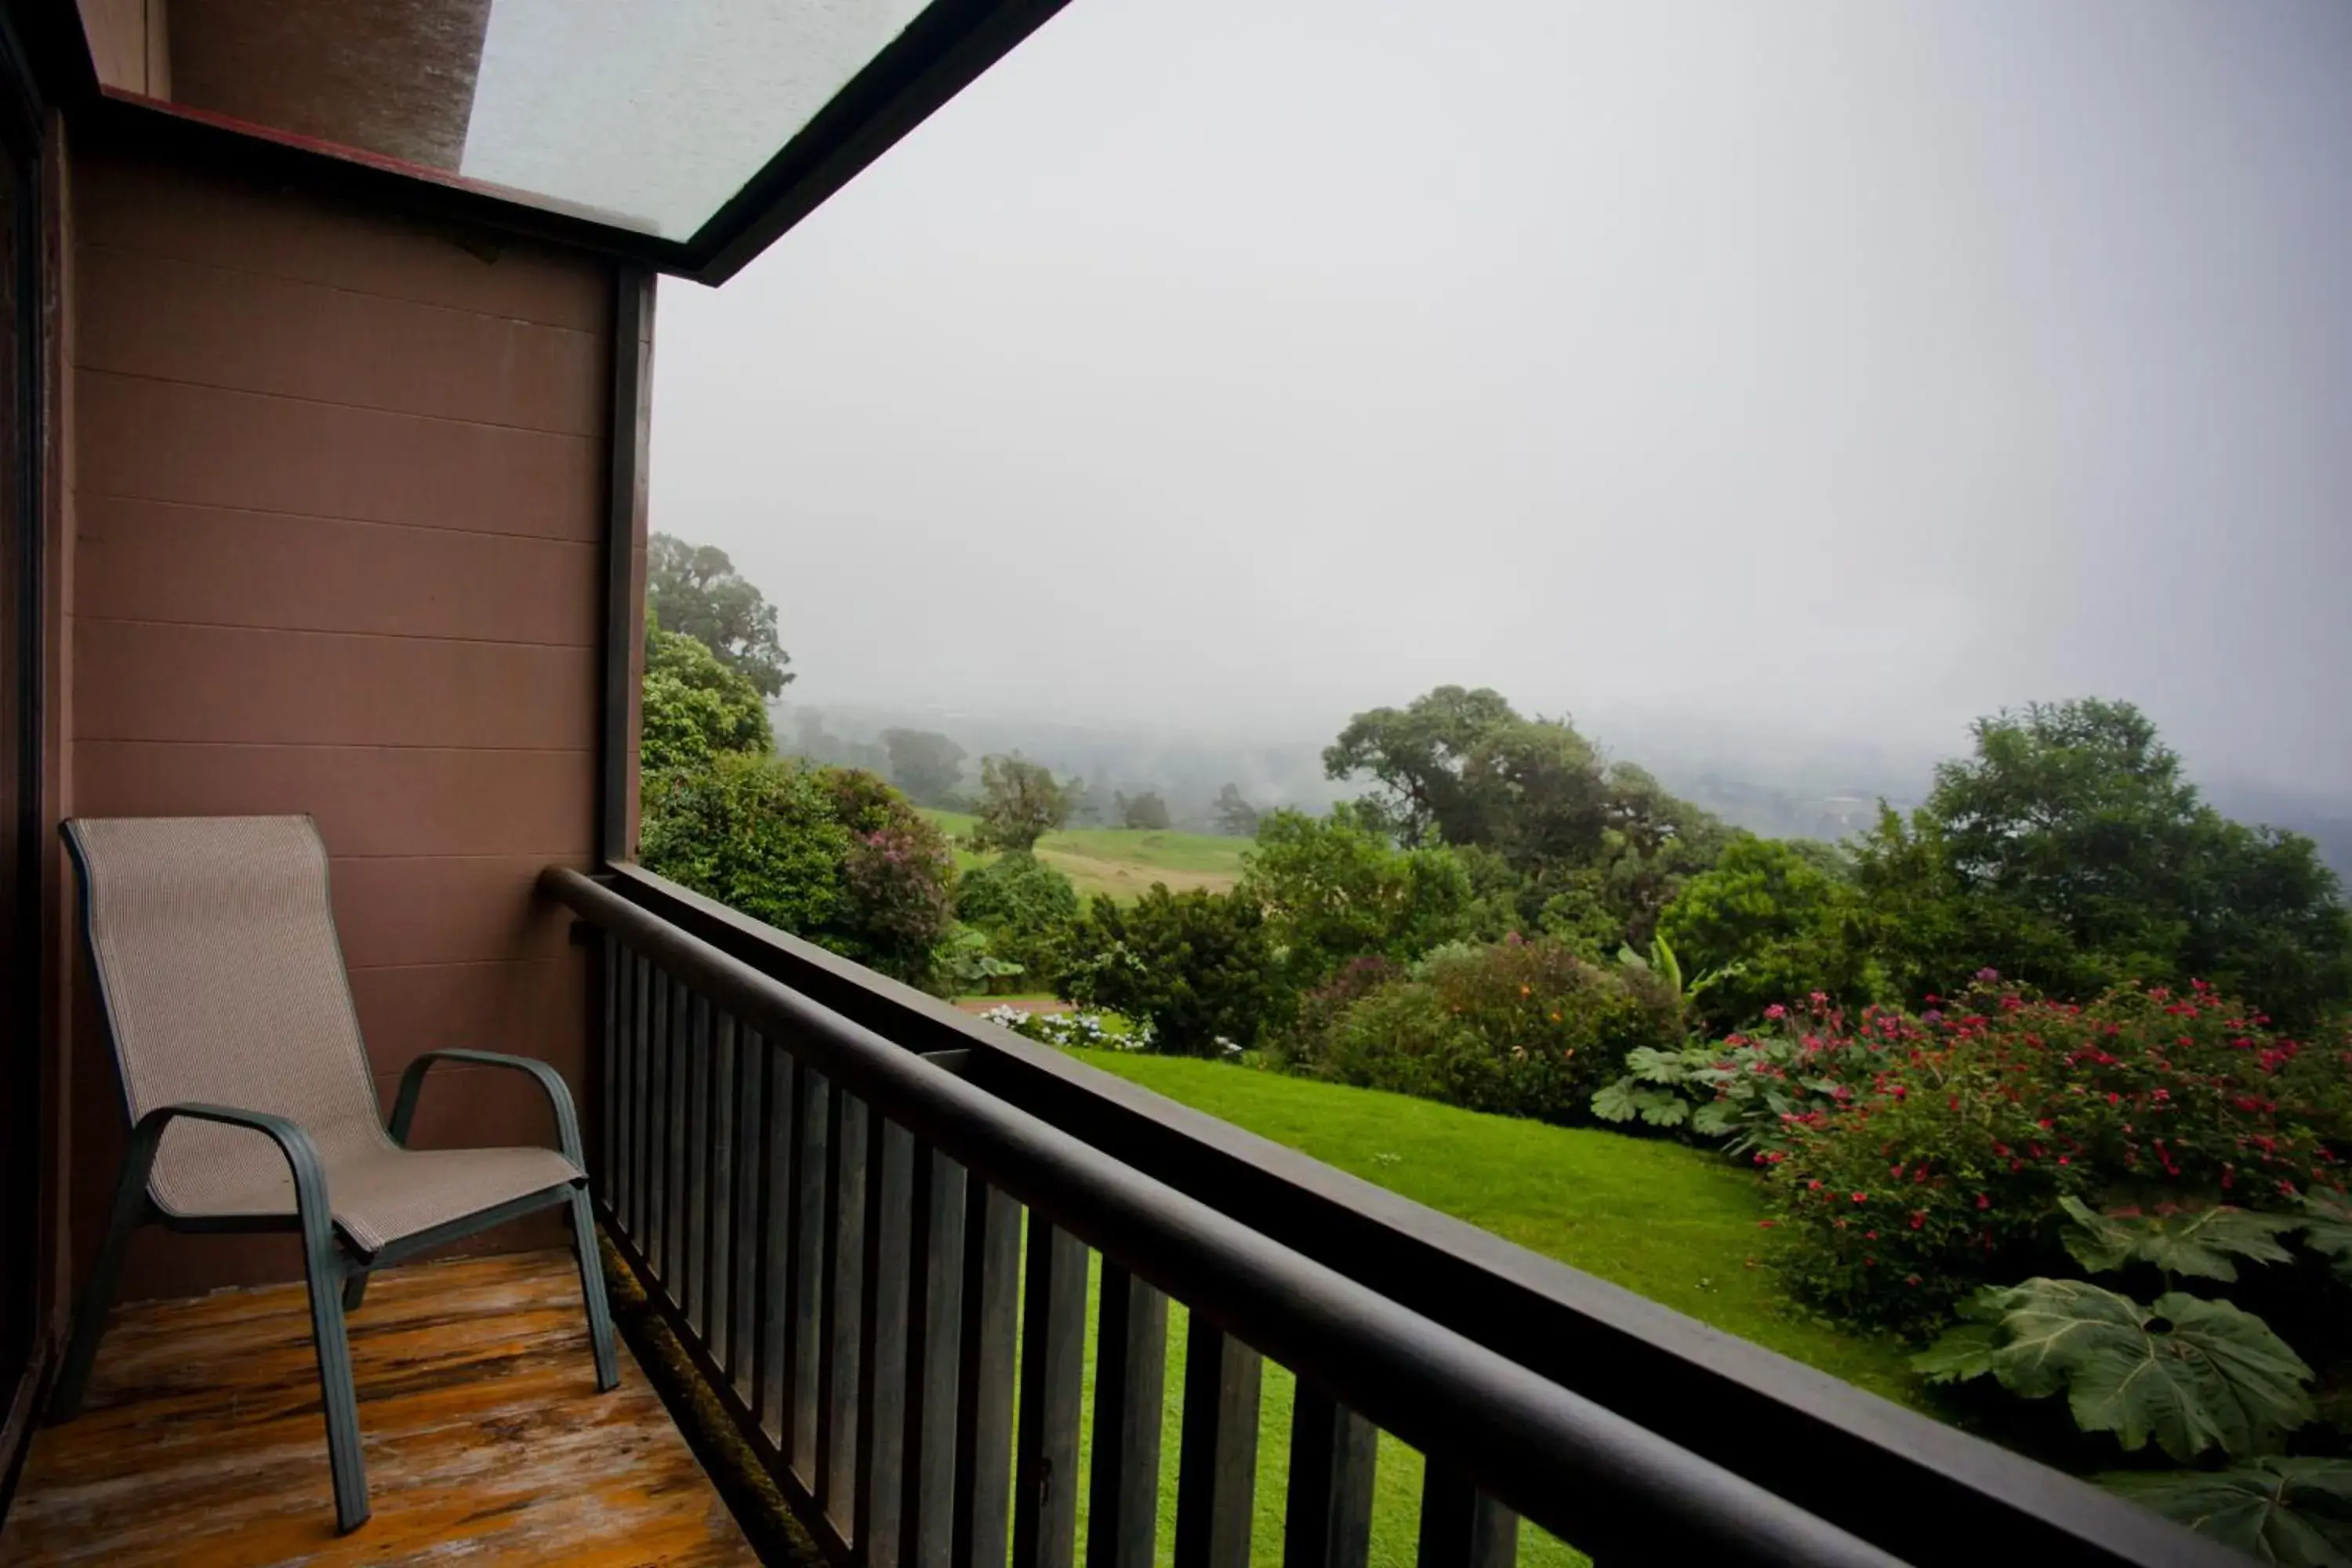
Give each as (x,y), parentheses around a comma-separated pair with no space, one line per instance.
(1918,1218)
(1983,1201)
(1862,1197)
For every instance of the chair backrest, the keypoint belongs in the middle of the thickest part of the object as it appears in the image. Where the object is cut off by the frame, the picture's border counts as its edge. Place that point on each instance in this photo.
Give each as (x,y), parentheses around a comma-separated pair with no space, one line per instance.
(213,944)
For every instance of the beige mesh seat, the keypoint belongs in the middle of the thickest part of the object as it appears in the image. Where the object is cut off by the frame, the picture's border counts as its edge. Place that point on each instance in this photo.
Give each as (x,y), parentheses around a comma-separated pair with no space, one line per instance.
(213,942)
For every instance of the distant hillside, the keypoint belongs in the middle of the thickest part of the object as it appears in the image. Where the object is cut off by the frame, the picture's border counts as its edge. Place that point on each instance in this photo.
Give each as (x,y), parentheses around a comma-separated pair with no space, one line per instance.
(1122,861)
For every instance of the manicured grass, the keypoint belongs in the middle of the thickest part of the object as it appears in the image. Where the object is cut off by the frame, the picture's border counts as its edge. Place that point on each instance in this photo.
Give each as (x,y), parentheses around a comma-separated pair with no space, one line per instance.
(1675,1224)
(1121,861)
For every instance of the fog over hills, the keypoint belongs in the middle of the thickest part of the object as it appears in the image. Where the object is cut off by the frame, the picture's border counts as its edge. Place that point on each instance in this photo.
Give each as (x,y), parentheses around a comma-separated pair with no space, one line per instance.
(1772,783)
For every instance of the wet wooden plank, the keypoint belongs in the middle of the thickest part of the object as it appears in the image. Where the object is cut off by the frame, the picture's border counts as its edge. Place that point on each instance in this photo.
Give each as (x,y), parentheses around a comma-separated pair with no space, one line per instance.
(201,1441)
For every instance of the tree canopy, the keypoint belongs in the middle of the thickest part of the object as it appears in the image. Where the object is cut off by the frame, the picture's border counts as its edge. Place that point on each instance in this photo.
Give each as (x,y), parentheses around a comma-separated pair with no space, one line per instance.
(695,707)
(2070,852)
(925,764)
(1019,804)
(694,589)
(1235,816)
(1593,843)
(1144,811)
(1334,888)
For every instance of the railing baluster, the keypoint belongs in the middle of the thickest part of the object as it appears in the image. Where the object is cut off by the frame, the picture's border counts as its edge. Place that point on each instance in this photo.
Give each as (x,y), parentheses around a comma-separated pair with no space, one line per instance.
(1053,1373)
(991,1286)
(695,1151)
(1216,1477)
(1461,1527)
(657,1133)
(674,1160)
(882,1335)
(618,1175)
(745,1259)
(1327,1517)
(640,1112)
(845,1279)
(1130,1383)
(934,1349)
(812,1128)
(779,1105)
(719,1232)
(608,1077)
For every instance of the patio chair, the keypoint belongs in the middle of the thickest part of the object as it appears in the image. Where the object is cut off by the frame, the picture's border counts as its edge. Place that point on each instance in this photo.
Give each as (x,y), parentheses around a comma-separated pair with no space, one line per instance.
(251,1104)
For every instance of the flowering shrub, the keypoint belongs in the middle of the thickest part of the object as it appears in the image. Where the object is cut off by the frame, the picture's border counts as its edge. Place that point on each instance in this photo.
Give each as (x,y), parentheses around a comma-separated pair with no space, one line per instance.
(1307,1045)
(1760,1089)
(1950,1141)
(1524,1029)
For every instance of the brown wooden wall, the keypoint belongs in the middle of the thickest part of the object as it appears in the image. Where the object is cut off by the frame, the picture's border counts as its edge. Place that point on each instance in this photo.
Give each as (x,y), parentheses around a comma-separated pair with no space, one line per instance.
(338,509)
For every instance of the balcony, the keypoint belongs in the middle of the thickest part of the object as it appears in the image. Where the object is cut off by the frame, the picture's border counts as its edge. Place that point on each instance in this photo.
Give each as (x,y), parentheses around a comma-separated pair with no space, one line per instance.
(341,510)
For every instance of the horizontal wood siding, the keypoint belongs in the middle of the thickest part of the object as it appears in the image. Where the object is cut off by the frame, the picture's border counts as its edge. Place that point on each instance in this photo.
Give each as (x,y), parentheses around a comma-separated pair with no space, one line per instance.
(339,505)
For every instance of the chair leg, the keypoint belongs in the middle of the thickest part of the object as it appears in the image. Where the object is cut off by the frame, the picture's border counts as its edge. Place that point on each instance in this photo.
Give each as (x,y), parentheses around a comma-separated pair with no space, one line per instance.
(98,1294)
(324,1269)
(355,1290)
(591,1289)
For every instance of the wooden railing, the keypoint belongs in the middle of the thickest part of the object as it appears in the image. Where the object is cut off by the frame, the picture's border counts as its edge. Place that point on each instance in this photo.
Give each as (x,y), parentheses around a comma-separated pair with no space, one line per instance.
(880,1263)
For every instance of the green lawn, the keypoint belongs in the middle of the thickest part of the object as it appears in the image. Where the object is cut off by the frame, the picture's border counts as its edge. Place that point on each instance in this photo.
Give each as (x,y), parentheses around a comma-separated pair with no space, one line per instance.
(1675,1224)
(1122,861)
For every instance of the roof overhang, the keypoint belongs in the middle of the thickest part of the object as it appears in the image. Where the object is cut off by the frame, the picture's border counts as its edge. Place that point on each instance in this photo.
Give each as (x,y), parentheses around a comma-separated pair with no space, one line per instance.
(519,115)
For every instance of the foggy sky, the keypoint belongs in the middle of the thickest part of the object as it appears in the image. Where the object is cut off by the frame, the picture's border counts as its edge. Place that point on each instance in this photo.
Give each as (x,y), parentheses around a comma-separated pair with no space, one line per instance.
(1848,369)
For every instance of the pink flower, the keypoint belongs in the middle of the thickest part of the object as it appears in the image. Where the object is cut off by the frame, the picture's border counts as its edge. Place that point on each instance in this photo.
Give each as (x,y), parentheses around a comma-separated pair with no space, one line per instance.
(1776,1011)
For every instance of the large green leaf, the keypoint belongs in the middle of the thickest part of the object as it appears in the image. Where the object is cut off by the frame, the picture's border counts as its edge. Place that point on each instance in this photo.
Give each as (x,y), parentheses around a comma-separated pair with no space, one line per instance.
(2050,1329)
(2327,1226)
(1964,1352)
(2193,1241)
(2218,1379)
(1654,1066)
(2296,1513)
(1614,1103)
(2190,1373)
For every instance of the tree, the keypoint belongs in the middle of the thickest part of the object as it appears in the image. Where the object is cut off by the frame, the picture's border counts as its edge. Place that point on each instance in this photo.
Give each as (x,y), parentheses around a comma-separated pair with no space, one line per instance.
(2070,852)
(1145,811)
(925,764)
(1196,966)
(1085,802)
(1602,842)
(1417,755)
(693,707)
(1334,888)
(694,589)
(1019,804)
(1235,816)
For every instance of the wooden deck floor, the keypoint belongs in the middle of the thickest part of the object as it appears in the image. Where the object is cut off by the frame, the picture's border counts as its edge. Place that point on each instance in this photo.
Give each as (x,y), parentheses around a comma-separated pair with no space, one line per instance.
(201,1440)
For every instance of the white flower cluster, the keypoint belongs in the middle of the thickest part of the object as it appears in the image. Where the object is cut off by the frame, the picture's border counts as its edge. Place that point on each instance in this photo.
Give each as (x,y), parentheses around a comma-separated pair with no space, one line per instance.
(1090,1029)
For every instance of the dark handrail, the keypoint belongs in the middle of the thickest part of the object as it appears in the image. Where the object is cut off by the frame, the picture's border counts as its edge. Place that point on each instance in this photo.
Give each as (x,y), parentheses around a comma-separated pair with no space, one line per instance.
(1925,1490)
(1589,1475)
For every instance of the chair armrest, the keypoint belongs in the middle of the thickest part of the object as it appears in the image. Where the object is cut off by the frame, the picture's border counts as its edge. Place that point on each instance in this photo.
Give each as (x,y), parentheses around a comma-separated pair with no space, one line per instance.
(301,1154)
(559,1095)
